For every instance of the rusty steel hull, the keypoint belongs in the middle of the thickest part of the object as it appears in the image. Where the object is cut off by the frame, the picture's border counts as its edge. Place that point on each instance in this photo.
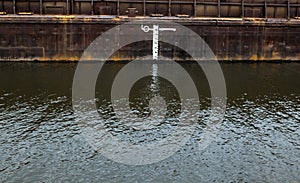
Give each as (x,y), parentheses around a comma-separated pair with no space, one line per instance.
(195,8)
(64,38)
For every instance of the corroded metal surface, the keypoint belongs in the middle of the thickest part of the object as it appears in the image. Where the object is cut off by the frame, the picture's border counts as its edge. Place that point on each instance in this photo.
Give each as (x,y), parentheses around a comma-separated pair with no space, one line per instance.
(196,8)
(56,38)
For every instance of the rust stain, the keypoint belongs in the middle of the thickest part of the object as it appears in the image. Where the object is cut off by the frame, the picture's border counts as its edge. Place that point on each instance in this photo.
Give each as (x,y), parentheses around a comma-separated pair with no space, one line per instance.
(255,41)
(59,58)
(87,19)
(64,18)
(254,58)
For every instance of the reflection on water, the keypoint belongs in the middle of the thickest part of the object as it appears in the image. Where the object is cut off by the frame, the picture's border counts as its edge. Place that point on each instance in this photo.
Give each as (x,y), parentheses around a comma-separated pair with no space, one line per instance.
(258,141)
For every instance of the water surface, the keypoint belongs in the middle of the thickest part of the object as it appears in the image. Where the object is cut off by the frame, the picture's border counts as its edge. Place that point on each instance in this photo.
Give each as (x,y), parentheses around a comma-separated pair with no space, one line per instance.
(258,142)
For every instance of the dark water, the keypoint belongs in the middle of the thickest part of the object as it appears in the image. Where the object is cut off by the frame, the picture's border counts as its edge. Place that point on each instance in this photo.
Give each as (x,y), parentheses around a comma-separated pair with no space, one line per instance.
(259,139)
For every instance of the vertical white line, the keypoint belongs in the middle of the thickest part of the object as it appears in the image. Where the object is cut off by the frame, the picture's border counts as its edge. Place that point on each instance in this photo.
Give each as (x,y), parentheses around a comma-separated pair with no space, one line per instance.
(155,57)
(154,83)
(155,42)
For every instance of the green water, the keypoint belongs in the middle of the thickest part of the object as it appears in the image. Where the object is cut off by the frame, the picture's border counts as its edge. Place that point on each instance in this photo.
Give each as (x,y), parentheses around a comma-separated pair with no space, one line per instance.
(258,141)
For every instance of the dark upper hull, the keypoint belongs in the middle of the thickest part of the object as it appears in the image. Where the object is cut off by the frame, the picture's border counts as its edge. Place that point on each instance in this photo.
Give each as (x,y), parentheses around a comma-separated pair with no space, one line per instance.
(196,8)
